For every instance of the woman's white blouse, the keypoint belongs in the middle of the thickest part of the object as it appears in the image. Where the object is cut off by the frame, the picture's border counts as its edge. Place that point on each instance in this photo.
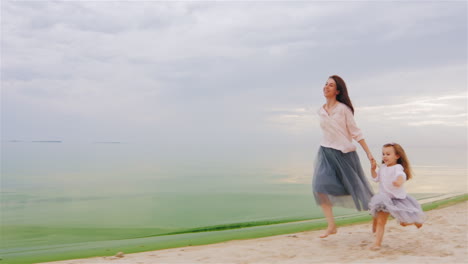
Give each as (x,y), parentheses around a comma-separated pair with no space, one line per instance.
(339,128)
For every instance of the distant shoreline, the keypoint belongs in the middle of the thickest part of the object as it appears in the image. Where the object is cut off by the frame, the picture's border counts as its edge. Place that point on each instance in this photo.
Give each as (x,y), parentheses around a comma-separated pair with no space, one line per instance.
(60,141)
(46,141)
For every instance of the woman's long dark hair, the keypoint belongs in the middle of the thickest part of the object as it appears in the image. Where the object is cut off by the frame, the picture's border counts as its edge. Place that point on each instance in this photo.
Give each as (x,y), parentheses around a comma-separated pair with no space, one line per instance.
(342,96)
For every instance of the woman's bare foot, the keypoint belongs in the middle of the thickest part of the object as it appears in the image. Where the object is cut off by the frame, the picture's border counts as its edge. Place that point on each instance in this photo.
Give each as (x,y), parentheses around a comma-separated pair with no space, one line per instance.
(331,231)
(374,247)
(418,225)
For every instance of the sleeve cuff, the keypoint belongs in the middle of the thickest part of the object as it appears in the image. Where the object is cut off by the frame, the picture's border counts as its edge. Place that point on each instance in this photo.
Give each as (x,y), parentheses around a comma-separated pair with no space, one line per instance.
(358,138)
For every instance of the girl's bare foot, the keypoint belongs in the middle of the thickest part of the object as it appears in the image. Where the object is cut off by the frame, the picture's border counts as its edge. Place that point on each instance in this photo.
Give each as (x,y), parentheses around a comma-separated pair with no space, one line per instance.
(328,232)
(404,224)
(418,225)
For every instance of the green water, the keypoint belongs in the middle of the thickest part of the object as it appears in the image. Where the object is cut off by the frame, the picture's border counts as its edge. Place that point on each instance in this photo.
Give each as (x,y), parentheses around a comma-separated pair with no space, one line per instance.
(62,201)
(49,226)
(78,242)
(43,228)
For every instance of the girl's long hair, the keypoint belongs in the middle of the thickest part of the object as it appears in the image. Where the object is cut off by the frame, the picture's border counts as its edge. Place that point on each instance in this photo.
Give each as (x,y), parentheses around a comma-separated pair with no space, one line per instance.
(403,160)
(342,96)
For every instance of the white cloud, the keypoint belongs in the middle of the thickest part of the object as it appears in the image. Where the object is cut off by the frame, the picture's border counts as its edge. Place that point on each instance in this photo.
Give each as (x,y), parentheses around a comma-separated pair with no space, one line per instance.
(295,120)
(445,110)
(449,110)
(209,63)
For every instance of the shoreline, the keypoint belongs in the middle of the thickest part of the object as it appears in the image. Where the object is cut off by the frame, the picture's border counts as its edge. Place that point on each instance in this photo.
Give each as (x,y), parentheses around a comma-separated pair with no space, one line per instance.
(442,201)
(146,242)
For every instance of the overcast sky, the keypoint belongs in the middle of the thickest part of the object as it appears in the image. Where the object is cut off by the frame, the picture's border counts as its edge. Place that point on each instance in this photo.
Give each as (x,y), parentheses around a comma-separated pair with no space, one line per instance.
(227,73)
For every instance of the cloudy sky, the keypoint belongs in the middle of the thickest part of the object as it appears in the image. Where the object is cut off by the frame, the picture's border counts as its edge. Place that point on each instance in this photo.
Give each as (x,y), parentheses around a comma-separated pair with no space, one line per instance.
(229,73)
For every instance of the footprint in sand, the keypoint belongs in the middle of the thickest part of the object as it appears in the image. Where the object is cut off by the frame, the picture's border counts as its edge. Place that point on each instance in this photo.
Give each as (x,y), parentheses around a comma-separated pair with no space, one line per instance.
(445,254)
(407,252)
(284,256)
(439,220)
(364,243)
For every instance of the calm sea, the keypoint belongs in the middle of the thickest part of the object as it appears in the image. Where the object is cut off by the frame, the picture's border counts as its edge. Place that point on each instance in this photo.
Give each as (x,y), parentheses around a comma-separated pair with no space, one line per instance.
(51,186)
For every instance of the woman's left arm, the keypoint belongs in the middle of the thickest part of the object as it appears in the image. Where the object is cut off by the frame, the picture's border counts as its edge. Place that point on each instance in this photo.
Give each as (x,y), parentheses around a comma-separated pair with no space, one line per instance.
(356,133)
(364,146)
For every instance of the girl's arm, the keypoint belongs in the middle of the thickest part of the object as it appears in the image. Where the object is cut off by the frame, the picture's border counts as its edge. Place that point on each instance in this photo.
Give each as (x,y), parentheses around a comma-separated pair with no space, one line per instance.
(399,181)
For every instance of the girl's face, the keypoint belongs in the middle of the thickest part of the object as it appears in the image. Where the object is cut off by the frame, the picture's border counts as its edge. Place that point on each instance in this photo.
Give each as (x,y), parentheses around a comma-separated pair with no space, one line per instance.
(329,90)
(389,156)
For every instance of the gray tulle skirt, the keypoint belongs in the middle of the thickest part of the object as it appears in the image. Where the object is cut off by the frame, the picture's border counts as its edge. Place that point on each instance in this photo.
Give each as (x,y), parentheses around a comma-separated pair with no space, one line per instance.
(339,180)
(405,210)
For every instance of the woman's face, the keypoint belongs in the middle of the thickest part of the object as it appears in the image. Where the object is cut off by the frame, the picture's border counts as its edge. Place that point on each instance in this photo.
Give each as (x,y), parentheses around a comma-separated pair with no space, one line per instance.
(329,90)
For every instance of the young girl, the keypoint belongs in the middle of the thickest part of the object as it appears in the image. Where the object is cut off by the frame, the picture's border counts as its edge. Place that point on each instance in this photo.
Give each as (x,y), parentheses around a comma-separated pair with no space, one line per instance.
(339,179)
(392,198)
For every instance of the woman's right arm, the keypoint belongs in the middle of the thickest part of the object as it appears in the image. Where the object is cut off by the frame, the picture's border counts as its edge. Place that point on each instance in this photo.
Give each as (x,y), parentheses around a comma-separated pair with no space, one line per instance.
(373,172)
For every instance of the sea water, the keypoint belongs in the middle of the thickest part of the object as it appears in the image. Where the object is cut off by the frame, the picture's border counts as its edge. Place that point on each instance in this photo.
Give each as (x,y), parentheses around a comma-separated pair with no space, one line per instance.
(54,193)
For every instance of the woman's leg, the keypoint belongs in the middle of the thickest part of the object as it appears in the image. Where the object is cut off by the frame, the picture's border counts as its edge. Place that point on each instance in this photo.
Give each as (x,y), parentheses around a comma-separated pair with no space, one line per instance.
(328,212)
(381,220)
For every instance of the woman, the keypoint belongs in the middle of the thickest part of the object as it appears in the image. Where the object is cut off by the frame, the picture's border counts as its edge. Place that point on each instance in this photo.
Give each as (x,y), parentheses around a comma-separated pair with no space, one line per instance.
(338,177)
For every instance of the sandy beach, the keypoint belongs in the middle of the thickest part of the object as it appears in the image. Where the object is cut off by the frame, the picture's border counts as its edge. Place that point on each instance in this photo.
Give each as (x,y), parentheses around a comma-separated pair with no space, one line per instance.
(442,239)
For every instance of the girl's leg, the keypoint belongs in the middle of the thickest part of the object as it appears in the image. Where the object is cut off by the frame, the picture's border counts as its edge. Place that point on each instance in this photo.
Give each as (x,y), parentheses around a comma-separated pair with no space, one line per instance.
(328,212)
(374,224)
(381,221)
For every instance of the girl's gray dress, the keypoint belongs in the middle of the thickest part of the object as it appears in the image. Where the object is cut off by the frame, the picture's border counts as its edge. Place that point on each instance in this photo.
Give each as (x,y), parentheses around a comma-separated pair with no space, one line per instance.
(394,200)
